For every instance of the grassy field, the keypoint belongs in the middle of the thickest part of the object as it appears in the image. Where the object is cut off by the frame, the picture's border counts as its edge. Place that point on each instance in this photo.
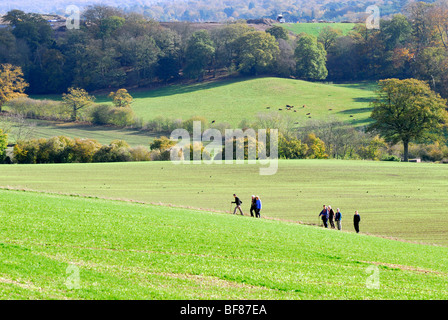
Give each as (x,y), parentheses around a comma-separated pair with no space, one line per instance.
(60,247)
(234,100)
(402,200)
(103,134)
(315,28)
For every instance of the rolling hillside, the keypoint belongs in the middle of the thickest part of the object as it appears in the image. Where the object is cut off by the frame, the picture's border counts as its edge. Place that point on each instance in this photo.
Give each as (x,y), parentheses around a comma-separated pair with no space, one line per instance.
(234,100)
(60,247)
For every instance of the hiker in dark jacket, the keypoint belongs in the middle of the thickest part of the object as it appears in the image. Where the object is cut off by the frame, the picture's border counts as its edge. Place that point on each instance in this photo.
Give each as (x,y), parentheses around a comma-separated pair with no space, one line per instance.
(331,217)
(238,203)
(338,218)
(257,207)
(356,220)
(324,216)
(253,206)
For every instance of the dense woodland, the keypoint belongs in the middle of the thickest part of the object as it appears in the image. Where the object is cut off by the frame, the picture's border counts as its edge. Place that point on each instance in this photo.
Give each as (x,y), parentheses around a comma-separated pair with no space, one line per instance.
(115,49)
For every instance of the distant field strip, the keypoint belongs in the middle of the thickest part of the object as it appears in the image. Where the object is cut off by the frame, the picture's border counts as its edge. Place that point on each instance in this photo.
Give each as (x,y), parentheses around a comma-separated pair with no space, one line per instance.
(315,28)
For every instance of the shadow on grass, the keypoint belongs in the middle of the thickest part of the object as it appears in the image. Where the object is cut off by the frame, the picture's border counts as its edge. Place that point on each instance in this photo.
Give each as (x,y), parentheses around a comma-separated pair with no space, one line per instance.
(89,127)
(356,110)
(361,122)
(361,85)
(176,89)
(364,99)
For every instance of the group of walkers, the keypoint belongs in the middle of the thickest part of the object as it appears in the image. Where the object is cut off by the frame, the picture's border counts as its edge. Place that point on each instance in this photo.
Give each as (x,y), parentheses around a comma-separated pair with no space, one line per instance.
(255,206)
(328,216)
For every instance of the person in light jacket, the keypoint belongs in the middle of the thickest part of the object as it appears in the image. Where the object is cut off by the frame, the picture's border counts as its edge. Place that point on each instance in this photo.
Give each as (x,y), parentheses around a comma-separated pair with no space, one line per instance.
(338,218)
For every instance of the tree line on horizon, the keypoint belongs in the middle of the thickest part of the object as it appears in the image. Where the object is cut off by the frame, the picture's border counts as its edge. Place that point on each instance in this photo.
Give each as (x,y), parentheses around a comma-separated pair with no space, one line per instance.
(218,10)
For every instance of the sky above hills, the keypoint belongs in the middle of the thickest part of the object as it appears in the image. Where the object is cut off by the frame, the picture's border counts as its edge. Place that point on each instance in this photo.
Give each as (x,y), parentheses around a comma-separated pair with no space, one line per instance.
(59,6)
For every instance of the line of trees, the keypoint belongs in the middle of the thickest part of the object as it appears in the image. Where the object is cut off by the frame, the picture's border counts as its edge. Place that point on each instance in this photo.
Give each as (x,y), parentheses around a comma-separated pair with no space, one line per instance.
(341,143)
(409,45)
(115,49)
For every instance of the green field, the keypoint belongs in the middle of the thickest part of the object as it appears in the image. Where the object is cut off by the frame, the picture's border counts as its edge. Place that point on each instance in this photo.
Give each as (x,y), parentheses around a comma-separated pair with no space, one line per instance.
(399,200)
(60,247)
(103,134)
(315,28)
(234,100)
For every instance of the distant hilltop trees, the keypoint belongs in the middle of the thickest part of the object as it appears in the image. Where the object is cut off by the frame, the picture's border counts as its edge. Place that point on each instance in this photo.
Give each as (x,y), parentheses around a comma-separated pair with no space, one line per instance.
(118,49)
(217,10)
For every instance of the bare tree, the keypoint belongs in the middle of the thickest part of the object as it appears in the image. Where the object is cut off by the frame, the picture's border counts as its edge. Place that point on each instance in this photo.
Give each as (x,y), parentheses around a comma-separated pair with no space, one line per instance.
(17,126)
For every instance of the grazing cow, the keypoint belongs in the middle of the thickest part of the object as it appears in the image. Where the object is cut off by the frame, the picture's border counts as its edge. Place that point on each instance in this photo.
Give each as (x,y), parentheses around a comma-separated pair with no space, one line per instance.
(268,107)
(280,109)
(304,106)
(308,113)
(213,121)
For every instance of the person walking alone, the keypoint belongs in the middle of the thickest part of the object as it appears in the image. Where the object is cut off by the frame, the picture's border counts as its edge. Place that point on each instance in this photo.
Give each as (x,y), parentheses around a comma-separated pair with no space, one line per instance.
(257,207)
(238,203)
(324,216)
(331,217)
(338,218)
(356,220)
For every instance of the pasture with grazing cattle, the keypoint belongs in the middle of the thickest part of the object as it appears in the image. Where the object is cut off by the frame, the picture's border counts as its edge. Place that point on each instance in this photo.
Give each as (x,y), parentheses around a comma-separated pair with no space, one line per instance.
(234,100)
